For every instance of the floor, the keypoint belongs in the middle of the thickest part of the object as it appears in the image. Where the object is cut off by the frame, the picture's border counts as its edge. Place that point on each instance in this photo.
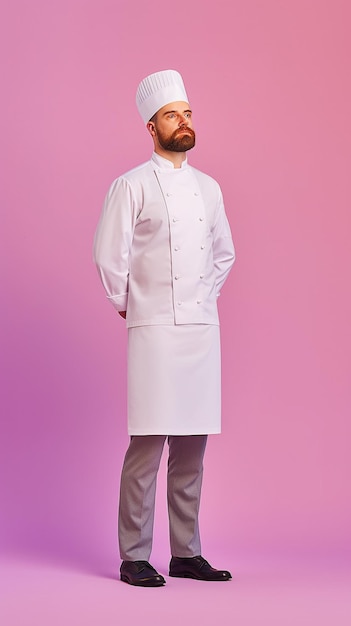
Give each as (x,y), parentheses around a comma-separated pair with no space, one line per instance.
(262,592)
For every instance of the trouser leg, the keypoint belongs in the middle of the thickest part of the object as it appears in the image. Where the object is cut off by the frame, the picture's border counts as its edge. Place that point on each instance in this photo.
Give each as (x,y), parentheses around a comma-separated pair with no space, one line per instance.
(184,480)
(137,496)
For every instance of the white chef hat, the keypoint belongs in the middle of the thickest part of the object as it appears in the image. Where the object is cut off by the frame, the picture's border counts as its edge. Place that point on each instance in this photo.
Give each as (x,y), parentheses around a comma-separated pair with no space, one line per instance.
(157,90)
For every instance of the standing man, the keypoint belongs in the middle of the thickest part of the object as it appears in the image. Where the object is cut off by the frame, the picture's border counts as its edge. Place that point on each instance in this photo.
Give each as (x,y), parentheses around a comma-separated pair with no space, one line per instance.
(163,249)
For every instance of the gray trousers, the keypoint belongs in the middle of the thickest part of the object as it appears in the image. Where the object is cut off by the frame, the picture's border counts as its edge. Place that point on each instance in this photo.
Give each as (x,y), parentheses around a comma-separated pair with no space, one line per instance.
(138,489)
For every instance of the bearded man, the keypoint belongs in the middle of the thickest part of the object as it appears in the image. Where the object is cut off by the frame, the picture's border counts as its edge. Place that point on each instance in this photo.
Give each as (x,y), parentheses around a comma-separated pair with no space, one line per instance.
(163,249)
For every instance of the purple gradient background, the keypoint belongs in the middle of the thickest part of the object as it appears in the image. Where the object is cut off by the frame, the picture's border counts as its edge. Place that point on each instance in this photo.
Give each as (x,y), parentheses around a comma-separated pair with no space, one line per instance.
(269,84)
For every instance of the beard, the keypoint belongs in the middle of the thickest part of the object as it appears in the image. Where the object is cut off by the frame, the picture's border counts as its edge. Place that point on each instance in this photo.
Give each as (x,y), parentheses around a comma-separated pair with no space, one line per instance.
(178,141)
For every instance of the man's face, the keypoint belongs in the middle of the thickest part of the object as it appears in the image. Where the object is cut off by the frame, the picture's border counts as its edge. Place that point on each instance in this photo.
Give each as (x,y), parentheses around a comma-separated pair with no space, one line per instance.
(174,128)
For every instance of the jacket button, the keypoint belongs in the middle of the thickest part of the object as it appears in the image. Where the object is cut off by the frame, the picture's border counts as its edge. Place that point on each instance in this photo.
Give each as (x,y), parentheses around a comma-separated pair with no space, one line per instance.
(179,303)
(196,193)
(176,248)
(174,219)
(168,194)
(198,301)
(202,247)
(201,219)
(202,275)
(176,277)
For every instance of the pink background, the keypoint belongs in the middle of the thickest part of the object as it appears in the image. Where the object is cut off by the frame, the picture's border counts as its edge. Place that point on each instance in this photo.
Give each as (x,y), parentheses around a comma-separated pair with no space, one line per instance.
(269,84)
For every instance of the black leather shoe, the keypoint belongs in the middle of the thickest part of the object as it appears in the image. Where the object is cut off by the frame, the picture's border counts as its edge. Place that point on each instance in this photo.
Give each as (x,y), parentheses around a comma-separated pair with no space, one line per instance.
(196,567)
(141,574)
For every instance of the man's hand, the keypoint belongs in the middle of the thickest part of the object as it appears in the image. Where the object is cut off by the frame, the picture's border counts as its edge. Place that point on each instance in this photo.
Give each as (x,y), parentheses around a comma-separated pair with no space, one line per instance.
(123,314)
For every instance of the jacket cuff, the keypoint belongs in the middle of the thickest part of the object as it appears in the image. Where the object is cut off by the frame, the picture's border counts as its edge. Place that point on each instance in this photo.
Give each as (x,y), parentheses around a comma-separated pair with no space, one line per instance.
(119,302)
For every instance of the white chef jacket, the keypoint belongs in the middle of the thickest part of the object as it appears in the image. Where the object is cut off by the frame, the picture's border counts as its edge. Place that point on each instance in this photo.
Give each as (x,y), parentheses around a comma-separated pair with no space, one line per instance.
(163,245)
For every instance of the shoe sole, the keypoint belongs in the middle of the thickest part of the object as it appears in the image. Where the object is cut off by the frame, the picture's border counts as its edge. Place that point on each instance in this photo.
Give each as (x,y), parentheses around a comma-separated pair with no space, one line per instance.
(186,575)
(143,583)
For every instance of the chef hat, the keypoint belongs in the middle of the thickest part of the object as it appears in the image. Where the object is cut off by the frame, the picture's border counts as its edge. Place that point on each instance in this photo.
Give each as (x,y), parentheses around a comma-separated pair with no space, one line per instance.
(157,90)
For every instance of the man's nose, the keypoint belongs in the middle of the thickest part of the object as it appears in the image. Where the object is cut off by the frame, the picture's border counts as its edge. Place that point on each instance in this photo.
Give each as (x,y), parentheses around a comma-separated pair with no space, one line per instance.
(183,121)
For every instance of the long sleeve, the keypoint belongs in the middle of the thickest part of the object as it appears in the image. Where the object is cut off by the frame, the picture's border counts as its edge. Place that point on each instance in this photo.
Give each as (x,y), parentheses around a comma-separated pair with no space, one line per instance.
(113,239)
(223,247)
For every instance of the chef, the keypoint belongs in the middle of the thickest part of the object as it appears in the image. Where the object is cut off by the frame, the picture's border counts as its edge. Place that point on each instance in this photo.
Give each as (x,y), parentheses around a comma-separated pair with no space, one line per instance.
(163,249)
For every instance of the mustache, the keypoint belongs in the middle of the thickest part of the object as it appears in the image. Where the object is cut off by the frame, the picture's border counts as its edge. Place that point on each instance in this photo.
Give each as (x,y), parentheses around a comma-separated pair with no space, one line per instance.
(182,129)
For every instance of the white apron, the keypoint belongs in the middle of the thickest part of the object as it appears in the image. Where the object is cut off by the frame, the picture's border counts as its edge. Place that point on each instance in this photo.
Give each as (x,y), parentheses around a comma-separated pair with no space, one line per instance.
(174,380)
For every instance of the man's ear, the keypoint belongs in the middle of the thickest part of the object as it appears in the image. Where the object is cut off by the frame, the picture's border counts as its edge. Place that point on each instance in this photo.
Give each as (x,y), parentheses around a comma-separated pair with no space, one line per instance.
(151,128)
